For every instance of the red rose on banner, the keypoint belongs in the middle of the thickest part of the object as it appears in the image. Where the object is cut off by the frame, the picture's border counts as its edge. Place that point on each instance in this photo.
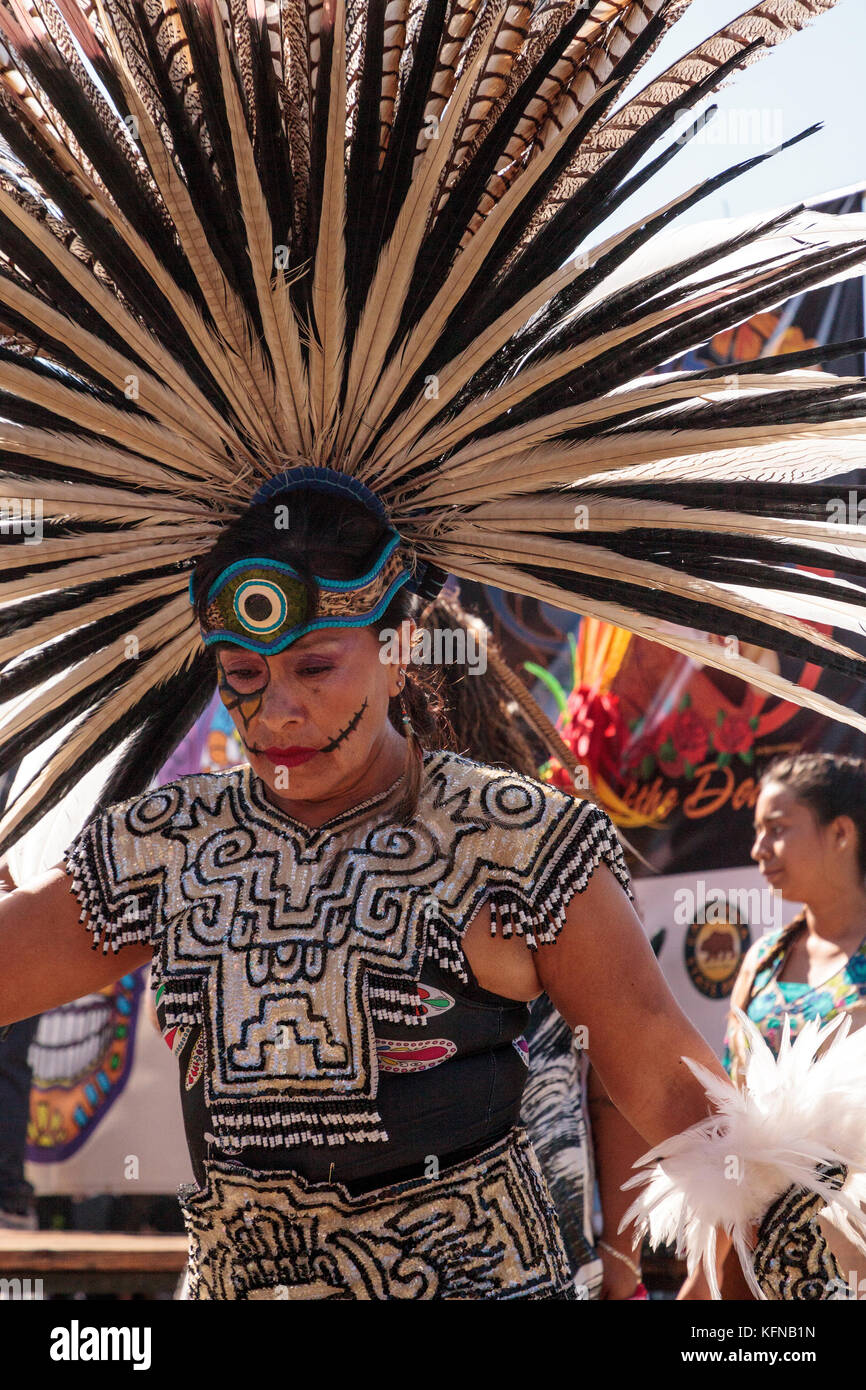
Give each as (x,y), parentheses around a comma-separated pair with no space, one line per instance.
(733,735)
(691,737)
(595,730)
(669,756)
(640,756)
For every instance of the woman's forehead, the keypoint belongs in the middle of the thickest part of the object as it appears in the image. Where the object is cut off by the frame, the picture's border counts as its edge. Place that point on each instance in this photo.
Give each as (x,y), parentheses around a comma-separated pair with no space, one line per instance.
(775,799)
(331,638)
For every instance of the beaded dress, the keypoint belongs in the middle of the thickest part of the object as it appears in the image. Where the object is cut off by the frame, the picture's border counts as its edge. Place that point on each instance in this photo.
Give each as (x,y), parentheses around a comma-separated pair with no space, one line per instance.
(305,977)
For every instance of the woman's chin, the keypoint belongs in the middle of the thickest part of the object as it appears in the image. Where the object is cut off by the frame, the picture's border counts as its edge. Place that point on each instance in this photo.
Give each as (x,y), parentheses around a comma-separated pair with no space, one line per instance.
(786,887)
(315,780)
(777,883)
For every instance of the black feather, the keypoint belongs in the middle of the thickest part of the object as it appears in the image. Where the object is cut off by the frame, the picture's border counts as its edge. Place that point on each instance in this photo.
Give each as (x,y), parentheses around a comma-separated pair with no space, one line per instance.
(167,720)
(689,612)
(480,306)
(731,557)
(273,157)
(363,160)
(24,614)
(568,227)
(59,656)
(113,164)
(390,185)
(465,195)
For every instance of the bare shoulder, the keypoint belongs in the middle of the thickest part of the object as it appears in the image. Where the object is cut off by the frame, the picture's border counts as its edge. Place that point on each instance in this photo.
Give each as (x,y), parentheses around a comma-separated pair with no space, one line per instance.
(601,936)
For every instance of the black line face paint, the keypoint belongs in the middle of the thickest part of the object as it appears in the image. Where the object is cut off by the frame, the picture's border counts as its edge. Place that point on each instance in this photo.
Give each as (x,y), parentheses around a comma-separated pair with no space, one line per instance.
(344,733)
(246,702)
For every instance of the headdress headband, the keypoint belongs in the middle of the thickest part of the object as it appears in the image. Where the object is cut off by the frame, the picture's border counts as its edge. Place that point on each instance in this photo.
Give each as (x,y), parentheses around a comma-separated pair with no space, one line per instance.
(235,236)
(262,603)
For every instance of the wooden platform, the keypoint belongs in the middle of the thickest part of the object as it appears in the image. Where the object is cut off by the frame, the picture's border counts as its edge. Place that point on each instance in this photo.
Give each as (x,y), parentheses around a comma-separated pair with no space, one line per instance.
(93,1262)
(112,1262)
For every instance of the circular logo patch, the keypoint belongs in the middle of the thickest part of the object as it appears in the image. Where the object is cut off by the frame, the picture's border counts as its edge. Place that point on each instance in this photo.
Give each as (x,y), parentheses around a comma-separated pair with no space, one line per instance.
(714,950)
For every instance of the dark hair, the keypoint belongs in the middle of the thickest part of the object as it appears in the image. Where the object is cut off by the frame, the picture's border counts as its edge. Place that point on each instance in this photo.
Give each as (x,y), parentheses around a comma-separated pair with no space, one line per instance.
(335,537)
(481,712)
(829,785)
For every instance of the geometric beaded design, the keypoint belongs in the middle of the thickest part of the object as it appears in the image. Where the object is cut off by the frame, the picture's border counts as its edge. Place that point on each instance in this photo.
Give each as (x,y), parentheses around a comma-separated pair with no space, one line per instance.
(485,1229)
(792,1260)
(285,942)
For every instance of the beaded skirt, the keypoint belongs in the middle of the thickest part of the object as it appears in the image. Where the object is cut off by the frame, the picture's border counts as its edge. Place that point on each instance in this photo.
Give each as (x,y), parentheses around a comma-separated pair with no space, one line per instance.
(485,1228)
(792,1260)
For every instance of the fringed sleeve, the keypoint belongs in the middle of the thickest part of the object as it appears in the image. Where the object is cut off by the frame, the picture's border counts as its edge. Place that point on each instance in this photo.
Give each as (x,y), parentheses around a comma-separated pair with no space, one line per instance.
(536,848)
(114,866)
(575,839)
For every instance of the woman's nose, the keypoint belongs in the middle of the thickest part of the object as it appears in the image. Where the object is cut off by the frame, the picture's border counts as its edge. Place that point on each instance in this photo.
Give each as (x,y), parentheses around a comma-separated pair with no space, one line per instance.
(281,705)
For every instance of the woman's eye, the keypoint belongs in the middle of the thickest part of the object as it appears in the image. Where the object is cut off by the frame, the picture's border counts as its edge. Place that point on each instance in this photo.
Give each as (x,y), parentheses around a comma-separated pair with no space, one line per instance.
(244,675)
(313,670)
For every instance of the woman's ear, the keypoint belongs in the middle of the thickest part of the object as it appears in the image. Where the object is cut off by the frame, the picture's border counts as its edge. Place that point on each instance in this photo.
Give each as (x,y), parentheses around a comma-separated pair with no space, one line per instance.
(408,629)
(399,656)
(844,832)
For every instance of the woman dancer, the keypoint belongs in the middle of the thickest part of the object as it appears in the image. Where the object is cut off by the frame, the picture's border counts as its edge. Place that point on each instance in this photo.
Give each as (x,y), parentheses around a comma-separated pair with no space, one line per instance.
(810,845)
(291,317)
(343,911)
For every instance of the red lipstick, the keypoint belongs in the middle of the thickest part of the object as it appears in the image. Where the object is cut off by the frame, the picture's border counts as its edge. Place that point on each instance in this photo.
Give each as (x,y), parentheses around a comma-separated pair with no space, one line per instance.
(289,757)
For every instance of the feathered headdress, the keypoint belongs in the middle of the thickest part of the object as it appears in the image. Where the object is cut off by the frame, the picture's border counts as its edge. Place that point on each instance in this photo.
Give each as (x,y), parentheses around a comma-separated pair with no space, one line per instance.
(241,238)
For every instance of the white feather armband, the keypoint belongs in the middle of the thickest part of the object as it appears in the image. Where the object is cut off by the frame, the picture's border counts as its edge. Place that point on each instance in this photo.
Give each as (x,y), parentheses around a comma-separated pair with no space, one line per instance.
(794,1113)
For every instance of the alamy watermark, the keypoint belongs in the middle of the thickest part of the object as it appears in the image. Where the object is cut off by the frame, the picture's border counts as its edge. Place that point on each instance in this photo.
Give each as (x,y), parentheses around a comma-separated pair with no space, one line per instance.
(739,127)
(438,646)
(852,1287)
(759,907)
(77,1343)
(21,1290)
(22,516)
(847,511)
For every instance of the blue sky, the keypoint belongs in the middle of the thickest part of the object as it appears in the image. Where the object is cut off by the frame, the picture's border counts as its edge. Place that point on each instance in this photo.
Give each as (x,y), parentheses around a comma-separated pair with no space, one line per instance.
(816,75)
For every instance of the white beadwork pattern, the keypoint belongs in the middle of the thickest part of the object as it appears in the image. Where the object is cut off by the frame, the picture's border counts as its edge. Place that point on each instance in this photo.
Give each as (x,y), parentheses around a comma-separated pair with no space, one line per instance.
(285,942)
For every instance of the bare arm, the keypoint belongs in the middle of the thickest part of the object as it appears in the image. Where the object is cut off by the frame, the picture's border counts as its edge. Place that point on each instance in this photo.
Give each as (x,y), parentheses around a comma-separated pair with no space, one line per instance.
(617,1147)
(45,953)
(7,882)
(603,975)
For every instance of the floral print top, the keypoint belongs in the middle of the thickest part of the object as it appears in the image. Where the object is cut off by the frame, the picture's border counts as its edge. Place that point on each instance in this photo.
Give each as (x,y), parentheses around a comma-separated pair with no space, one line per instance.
(771,1000)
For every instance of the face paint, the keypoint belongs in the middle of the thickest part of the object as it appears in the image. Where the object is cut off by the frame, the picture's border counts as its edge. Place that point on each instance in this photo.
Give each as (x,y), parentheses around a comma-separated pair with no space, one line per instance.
(247,703)
(344,733)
